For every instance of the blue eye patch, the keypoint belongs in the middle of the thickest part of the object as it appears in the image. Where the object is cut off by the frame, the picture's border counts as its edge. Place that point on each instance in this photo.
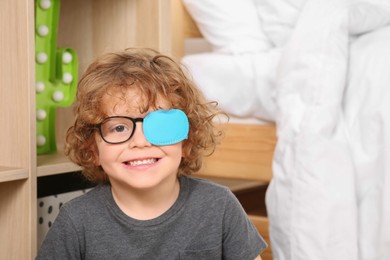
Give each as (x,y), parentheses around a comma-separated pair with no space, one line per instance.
(166,127)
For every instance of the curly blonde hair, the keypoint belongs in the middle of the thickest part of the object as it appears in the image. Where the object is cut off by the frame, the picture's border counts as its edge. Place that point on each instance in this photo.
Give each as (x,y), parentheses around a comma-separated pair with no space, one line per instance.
(155,76)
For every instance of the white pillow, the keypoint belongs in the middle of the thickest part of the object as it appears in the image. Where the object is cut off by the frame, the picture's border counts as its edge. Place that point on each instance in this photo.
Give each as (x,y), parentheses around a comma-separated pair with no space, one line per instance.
(368,15)
(279,18)
(231,26)
(243,85)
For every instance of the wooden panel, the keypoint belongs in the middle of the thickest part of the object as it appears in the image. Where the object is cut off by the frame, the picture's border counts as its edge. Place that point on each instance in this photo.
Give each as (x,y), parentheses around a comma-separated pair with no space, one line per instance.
(114,25)
(17,57)
(236,185)
(165,28)
(246,152)
(16,221)
(182,27)
(93,27)
(177,29)
(261,223)
(191,30)
(126,24)
(56,163)
(17,134)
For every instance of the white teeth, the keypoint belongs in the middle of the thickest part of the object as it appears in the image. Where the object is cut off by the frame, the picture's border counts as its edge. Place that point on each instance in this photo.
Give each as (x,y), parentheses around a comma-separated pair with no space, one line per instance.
(142,162)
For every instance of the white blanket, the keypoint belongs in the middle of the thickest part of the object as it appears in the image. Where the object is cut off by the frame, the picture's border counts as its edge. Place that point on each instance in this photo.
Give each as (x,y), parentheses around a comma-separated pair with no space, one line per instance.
(330,193)
(327,86)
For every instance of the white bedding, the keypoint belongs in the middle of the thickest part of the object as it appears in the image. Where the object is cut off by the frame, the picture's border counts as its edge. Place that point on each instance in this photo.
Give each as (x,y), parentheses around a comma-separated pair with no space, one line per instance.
(243,85)
(329,196)
(367,113)
(329,94)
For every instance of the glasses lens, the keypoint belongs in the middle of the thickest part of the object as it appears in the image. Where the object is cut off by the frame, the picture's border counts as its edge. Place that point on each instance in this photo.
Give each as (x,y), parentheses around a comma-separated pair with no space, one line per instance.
(117,129)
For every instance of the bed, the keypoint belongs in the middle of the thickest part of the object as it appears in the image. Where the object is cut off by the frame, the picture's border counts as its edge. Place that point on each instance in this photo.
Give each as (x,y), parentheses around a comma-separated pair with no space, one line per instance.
(324,143)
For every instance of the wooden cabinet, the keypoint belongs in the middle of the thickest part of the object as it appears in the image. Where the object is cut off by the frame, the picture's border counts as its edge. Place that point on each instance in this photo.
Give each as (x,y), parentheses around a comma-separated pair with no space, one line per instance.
(90,27)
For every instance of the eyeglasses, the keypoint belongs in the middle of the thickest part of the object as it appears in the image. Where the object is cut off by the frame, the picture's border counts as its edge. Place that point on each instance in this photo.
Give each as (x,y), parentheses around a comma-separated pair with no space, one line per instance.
(160,127)
(118,129)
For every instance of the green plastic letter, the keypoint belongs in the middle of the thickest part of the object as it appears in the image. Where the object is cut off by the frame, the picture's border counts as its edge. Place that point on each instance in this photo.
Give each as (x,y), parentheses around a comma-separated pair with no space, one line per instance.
(56,74)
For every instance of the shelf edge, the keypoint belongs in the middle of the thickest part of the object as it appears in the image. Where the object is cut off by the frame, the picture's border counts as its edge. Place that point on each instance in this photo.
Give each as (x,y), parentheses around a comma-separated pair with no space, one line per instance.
(47,170)
(12,174)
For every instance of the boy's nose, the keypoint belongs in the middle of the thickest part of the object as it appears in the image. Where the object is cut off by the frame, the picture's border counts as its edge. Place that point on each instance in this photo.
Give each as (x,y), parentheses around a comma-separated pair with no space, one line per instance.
(138,139)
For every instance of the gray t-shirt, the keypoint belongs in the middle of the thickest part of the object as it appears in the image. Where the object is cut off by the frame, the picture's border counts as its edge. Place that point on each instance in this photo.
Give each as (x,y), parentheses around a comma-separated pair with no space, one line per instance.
(206,222)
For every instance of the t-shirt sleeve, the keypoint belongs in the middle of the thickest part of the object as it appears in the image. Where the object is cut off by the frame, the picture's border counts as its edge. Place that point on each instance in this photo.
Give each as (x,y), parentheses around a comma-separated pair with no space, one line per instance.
(241,240)
(61,241)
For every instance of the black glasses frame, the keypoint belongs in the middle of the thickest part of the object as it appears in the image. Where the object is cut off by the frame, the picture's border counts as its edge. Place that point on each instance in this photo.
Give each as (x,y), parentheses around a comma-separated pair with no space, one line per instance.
(134,120)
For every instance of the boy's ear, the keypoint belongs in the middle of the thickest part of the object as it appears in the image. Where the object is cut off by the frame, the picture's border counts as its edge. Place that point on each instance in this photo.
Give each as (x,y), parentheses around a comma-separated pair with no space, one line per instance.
(96,158)
(186,149)
(95,153)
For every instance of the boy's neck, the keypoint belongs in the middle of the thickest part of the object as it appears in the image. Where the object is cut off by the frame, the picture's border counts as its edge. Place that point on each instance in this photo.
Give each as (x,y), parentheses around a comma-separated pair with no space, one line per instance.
(145,204)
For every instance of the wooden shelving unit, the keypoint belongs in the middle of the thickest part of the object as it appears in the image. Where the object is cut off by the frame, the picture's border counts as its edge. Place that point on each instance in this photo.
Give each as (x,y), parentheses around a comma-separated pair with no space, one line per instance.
(90,27)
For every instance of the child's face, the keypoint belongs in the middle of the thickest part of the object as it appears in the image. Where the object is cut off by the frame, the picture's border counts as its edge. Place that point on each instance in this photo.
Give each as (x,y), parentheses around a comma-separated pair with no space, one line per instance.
(136,164)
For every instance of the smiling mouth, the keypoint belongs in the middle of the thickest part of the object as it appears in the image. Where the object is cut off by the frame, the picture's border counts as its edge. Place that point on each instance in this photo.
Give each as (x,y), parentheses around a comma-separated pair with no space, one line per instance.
(141,162)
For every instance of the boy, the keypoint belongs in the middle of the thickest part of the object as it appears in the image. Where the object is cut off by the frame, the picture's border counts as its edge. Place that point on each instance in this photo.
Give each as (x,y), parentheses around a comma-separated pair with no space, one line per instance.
(141,128)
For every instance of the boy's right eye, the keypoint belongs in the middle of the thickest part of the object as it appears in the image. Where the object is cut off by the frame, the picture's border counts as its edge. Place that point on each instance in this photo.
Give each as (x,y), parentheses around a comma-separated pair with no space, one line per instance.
(117,127)
(120,128)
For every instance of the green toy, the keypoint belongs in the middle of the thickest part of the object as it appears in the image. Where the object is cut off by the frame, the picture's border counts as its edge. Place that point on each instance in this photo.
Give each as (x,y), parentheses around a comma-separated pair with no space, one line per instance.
(56,74)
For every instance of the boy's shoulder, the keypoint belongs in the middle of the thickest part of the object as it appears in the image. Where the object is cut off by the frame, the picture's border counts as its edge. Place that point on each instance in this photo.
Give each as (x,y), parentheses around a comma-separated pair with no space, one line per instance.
(93,198)
(207,187)
(211,199)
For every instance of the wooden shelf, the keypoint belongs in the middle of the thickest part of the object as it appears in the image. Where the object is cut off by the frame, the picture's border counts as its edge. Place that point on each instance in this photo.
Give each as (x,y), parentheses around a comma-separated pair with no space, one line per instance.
(12,174)
(52,164)
(250,193)
(245,153)
(235,185)
(262,224)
